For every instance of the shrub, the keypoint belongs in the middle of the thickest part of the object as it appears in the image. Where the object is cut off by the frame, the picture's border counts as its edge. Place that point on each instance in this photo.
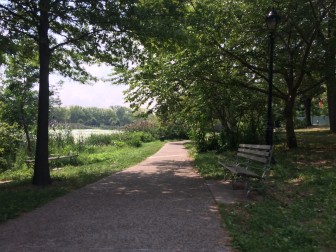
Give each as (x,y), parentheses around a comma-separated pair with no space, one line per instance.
(118,144)
(10,140)
(20,158)
(213,142)
(133,139)
(60,137)
(174,131)
(146,137)
(299,124)
(99,139)
(199,137)
(145,126)
(120,139)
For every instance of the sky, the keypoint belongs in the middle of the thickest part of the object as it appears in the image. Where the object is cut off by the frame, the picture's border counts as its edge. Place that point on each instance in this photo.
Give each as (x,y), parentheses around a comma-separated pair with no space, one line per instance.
(100,94)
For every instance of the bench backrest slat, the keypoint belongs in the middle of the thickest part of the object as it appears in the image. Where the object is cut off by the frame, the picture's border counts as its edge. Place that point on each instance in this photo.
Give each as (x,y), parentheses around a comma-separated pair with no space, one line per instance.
(259,153)
(252,152)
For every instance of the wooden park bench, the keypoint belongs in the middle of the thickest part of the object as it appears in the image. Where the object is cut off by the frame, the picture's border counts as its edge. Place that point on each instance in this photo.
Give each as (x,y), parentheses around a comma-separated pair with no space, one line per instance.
(251,166)
(54,158)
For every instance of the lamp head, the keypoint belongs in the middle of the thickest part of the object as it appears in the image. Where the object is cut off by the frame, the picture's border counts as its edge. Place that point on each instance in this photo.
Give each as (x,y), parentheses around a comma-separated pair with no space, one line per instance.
(272,20)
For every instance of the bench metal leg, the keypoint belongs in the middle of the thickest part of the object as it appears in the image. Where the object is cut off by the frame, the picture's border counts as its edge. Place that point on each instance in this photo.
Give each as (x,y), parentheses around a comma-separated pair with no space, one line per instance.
(257,185)
(238,179)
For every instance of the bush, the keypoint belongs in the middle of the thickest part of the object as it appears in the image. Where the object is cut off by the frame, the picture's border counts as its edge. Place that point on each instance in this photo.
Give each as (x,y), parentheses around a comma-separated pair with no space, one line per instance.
(120,139)
(133,139)
(174,132)
(20,158)
(213,142)
(10,140)
(118,144)
(146,137)
(145,126)
(299,124)
(60,137)
(100,139)
(134,142)
(200,141)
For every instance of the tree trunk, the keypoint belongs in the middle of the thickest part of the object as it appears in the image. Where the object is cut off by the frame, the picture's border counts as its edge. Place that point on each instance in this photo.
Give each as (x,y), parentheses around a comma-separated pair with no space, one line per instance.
(307,107)
(41,168)
(330,66)
(289,117)
(331,89)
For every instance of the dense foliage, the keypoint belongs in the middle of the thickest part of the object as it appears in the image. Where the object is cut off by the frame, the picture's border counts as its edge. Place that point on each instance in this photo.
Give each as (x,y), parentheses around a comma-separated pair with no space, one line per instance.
(211,65)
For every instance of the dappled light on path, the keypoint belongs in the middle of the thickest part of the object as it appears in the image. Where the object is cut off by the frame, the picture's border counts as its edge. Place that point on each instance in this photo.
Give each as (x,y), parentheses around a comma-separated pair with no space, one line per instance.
(161,204)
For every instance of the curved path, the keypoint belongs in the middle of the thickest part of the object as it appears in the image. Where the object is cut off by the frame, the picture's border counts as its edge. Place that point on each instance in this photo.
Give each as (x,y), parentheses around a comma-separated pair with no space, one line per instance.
(160,204)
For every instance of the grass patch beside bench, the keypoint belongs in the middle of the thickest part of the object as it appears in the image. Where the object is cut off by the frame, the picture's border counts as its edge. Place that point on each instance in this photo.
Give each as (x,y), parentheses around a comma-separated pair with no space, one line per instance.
(298,212)
(18,195)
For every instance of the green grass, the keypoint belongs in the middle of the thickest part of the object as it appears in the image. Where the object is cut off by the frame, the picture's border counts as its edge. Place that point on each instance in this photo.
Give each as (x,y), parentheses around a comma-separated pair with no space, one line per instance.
(298,211)
(18,195)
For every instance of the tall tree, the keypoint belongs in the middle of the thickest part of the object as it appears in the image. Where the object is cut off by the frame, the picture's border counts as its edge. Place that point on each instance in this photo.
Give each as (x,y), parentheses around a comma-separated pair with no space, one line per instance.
(66,34)
(239,31)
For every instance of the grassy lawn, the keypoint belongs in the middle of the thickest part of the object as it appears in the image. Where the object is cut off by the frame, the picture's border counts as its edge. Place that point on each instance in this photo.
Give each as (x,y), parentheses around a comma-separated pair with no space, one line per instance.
(298,211)
(18,195)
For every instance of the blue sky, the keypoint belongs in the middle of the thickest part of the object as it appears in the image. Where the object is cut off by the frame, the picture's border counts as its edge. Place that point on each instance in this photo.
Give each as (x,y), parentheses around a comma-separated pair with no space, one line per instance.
(100,94)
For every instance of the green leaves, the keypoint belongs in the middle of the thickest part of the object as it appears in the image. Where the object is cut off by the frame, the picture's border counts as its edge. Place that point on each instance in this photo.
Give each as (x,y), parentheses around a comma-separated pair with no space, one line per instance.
(218,62)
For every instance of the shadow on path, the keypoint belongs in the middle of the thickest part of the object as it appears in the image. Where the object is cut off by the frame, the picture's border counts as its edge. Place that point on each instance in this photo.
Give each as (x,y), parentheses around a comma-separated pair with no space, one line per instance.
(160,204)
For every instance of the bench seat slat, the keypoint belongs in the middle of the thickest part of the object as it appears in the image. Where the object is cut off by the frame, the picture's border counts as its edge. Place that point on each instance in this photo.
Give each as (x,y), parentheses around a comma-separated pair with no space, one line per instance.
(263,160)
(254,152)
(240,171)
(254,146)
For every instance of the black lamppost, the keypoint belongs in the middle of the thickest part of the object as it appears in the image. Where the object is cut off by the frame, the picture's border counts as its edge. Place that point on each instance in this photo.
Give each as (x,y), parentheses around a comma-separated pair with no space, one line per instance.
(272,21)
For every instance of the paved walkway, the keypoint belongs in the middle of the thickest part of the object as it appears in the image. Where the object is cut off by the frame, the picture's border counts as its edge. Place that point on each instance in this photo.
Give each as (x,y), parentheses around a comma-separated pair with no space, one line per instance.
(160,204)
